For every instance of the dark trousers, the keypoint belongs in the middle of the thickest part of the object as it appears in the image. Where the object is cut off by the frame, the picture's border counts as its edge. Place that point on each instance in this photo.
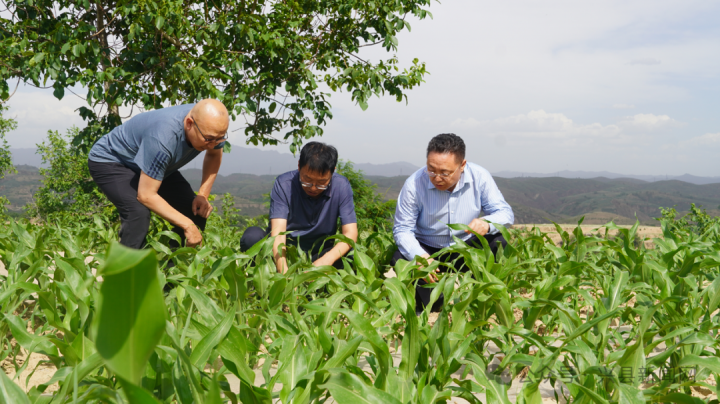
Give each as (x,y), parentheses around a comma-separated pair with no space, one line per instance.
(120,185)
(422,295)
(254,234)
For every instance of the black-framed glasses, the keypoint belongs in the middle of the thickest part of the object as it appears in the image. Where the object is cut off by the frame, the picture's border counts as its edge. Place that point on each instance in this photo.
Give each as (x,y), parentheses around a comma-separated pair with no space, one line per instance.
(207,139)
(433,175)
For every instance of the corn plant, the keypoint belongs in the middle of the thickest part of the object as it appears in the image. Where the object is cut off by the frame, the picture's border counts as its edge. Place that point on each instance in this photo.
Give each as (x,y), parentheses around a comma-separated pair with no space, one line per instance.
(601,318)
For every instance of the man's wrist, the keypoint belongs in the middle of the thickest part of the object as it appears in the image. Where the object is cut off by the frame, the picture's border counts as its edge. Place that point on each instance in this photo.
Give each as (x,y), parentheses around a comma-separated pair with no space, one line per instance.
(187,226)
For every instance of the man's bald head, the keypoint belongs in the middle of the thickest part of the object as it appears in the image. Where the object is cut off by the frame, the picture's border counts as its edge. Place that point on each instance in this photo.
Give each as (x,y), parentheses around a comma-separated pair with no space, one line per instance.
(206,124)
(213,115)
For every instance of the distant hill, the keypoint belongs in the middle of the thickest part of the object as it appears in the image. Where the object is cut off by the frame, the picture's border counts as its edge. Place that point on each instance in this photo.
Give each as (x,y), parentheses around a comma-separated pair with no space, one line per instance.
(20,187)
(246,160)
(606,174)
(534,200)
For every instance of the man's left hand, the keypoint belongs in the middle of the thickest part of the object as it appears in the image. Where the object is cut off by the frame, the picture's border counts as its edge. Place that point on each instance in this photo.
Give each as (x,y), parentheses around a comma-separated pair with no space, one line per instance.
(201,206)
(479,226)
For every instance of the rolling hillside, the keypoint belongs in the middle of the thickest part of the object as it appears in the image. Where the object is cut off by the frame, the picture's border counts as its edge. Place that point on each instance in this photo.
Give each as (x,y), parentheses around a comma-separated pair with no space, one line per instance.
(534,200)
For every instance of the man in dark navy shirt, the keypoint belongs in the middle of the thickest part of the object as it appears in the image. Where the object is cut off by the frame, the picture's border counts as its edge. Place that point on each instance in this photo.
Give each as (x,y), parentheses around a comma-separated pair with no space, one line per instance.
(308,202)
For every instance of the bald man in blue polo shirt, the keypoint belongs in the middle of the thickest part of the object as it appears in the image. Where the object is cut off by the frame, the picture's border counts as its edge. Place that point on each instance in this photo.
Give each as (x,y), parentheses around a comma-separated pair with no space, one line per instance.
(308,202)
(136,166)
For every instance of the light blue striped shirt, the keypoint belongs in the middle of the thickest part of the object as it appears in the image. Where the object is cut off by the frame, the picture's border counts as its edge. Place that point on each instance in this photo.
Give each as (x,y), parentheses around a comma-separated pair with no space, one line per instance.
(423,212)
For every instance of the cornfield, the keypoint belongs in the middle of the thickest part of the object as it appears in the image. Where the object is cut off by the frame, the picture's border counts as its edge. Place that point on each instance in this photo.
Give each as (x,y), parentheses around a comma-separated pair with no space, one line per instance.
(601,319)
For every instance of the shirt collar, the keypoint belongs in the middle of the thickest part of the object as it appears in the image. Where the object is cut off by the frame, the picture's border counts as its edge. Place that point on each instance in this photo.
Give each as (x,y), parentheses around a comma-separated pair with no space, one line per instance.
(465,178)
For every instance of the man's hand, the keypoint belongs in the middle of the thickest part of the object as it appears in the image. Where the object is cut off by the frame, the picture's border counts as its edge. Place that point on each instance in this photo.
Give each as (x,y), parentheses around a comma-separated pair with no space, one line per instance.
(201,206)
(192,235)
(479,226)
(431,278)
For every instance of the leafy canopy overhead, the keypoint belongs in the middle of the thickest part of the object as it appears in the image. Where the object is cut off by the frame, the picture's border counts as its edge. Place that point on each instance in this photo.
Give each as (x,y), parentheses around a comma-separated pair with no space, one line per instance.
(264,59)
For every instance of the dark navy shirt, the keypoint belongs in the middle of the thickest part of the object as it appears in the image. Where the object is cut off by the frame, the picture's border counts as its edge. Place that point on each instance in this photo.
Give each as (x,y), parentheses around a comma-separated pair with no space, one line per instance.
(311,219)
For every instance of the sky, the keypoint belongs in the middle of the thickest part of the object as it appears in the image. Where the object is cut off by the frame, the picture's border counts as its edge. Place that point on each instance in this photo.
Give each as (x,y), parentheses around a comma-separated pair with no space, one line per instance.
(631,87)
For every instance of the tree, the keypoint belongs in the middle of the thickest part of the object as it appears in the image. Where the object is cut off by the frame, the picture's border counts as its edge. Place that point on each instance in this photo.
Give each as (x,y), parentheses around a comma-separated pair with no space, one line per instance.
(265,59)
(373,212)
(68,191)
(6,164)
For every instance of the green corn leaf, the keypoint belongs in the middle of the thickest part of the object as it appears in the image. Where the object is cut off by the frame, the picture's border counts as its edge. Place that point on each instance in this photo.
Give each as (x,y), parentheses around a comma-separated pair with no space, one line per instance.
(250,394)
(630,394)
(11,393)
(181,384)
(348,388)
(346,350)
(595,397)
(137,395)
(410,344)
(131,318)
(78,373)
(712,362)
(293,370)
(680,398)
(31,342)
(204,348)
(365,328)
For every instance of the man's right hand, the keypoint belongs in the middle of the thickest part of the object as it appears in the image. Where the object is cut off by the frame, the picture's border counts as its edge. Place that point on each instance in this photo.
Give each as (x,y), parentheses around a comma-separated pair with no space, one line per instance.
(192,236)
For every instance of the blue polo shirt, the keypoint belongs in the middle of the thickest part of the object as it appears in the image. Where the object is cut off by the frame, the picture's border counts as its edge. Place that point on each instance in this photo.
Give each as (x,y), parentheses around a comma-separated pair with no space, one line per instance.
(311,219)
(153,142)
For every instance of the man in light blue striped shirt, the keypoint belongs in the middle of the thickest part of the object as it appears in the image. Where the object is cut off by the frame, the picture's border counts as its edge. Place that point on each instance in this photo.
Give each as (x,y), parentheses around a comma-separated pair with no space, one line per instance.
(449,190)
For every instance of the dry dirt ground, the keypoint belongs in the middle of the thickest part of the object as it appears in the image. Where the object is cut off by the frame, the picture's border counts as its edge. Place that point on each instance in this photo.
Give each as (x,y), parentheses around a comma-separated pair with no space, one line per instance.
(39,370)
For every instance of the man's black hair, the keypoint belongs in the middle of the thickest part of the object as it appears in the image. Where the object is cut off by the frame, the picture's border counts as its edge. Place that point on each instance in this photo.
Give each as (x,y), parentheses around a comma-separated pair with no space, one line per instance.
(318,157)
(447,143)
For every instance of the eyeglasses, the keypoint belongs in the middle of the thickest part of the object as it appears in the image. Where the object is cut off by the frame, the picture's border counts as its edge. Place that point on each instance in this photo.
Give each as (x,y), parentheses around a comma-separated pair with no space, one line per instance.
(207,139)
(310,185)
(433,175)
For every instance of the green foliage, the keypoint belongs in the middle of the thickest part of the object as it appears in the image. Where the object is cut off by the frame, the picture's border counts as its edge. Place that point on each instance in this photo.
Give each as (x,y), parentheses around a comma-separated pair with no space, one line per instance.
(131,318)
(323,332)
(68,192)
(6,165)
(697,220)
(229,215)
(264,60)
(373,212)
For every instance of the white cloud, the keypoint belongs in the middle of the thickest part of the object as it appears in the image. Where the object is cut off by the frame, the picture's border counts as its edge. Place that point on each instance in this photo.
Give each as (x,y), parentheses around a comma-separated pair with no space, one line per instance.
(541,125)
(623,106)
(37,112)
(649,121)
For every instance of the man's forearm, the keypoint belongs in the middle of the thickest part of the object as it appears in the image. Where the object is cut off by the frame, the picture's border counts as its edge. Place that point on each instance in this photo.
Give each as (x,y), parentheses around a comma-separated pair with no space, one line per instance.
(157,204)
(337,252)
(279,254)
(211,166)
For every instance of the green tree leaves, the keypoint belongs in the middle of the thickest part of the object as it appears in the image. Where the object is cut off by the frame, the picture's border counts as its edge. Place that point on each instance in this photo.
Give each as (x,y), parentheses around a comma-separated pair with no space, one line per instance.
(265,60)
(6,165)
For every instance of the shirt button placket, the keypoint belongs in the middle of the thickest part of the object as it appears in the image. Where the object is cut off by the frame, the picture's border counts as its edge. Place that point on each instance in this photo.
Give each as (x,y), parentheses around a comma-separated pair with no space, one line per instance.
(450,215)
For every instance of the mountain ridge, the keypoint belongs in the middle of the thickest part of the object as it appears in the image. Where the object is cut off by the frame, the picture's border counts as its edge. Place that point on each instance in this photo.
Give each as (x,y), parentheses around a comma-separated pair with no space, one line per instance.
(246,160)
(534,200)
